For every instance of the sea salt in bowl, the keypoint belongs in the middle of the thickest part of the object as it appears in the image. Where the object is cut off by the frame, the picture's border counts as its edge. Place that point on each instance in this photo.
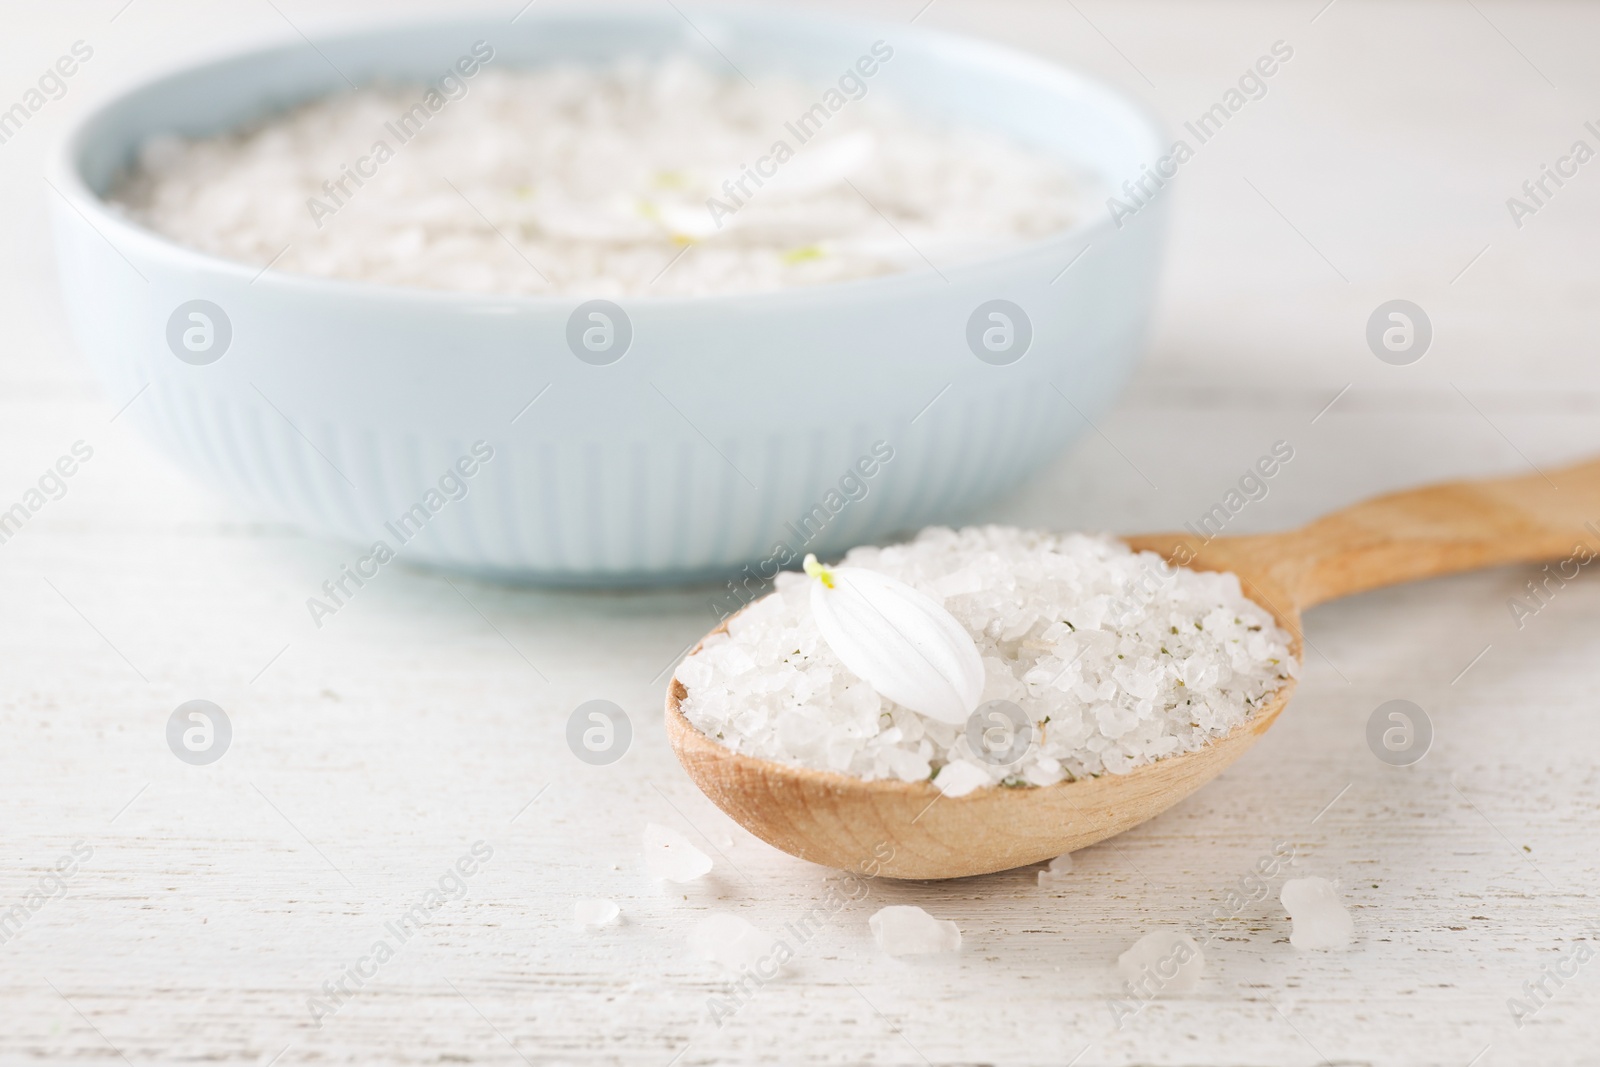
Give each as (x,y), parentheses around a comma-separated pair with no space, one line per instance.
(715,429)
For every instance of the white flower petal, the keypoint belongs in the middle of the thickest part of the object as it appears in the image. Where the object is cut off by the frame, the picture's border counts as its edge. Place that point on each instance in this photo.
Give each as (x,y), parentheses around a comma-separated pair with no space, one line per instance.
(825,164)
(904,645)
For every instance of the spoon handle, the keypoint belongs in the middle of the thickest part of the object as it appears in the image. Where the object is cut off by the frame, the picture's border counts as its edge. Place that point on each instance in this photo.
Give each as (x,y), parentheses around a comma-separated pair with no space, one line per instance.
(1411,535)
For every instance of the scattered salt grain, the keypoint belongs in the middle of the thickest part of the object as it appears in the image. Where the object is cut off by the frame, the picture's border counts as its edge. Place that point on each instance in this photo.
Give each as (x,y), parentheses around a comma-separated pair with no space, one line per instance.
(594,180)
(1320,919)
(1057,872)
(735,944)
(905,930)
(593,914)
(1162,961)
(669,855)
(1116,658)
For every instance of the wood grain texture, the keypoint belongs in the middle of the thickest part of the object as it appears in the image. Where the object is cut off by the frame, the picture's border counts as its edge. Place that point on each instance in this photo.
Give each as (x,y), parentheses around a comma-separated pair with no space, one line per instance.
(1405,537)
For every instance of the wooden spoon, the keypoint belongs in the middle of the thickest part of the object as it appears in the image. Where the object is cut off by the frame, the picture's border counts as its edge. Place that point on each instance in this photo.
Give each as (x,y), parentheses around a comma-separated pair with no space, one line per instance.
(910,830)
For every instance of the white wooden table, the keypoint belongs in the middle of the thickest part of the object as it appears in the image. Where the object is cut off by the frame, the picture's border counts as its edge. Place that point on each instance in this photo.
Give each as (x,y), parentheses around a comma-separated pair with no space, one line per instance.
(371,755)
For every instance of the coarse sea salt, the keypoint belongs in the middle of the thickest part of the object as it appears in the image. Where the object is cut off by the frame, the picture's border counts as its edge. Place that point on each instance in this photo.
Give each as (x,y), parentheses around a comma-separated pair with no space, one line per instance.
(1116,659)
(735,943)
(1320,919)
(1057,871)
(593,914)
(906,930)
(1162,961)
(594,180)
(669,855)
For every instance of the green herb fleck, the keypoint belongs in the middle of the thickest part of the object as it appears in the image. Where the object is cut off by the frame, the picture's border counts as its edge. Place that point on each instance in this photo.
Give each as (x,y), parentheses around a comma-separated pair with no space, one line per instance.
(800,255)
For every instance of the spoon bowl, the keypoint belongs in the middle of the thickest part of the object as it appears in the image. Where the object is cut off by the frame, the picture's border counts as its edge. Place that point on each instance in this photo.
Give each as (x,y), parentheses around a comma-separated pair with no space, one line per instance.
(911,830)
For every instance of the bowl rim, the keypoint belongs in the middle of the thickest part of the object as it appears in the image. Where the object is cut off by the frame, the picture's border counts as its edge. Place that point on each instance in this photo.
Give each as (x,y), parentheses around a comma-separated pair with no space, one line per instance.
(959,49)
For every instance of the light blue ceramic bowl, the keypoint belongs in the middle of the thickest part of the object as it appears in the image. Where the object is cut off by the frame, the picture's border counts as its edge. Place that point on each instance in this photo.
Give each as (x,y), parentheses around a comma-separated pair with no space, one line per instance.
(733,430)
